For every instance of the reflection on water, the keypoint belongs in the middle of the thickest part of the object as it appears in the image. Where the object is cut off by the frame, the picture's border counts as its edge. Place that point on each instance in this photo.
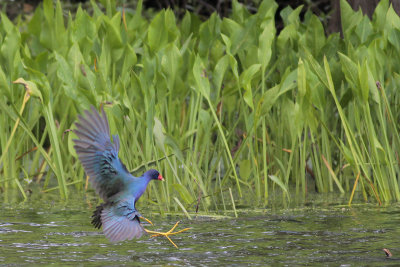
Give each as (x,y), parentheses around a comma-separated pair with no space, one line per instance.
(312,235)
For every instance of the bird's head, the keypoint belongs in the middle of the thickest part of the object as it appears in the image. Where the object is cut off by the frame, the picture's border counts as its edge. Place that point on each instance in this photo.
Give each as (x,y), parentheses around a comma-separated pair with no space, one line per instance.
(154,175)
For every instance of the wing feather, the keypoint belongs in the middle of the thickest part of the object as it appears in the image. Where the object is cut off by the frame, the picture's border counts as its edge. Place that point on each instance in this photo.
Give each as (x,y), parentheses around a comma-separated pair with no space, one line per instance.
(121,221)
(99,156)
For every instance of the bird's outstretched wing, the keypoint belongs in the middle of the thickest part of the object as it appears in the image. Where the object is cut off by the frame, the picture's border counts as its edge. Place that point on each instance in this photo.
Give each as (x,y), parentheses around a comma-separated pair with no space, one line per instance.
(121,220)
(99,156)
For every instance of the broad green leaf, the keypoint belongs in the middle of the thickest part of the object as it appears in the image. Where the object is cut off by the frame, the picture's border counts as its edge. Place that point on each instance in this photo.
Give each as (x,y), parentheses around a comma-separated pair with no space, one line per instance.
(71,136)
(157,35)
(379,17)
(7,25)
(288,81)
(329,80)
(301,79)
(241,38)
(170,25)
(248,98)
(66,75)
(268,99)
(245,169)
(239,13)
(363,80)
(75,56)
(46,37)
(294,16)
(159,134)
(48,10)
(59,27)
(267,9)
(204,117)
(316,67)
(394,38)
(202,83)
(227,42)
(372,86)
(171,61)
(234,66)
(208,32)
(113,29)
(284,14)
(83,26)
(349,17)
(245,81)
(248,75)
(350,70)
(35,24)
(364,29)
(130,60)
(96,10)
(4,84)
(10,49)
(286,36)
(314,36)
(347,153)
(186,24)
(377,58)
(265,44)
(219,71)
(105,60)
(392,19)
(318,92)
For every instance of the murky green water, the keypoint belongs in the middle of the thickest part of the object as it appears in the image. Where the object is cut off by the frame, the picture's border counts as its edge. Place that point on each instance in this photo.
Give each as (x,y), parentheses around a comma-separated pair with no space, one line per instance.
(48,233)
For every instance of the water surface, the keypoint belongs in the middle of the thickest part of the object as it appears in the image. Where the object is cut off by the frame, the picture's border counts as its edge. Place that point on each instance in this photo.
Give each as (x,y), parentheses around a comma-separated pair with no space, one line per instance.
(334,235)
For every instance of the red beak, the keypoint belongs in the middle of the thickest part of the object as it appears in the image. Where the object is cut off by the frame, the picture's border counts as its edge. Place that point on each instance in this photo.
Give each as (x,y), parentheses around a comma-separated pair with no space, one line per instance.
(160,177)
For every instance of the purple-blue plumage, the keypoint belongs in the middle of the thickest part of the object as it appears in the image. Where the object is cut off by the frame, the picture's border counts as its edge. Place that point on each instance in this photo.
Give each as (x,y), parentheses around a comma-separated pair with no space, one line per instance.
(108,175)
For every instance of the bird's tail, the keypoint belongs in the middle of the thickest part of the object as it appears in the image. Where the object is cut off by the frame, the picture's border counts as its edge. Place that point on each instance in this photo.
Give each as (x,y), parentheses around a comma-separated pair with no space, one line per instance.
(96,217)
(119,227)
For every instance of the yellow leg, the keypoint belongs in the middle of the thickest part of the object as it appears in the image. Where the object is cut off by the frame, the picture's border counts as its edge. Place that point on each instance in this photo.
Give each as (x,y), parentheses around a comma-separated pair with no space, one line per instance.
(167,234)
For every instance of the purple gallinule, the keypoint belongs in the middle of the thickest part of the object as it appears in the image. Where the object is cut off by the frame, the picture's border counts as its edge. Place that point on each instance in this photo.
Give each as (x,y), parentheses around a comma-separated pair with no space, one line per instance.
(119,189)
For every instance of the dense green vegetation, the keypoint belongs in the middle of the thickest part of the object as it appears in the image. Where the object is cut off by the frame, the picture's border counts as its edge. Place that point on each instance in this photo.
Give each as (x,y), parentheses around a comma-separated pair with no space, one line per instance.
(241,108)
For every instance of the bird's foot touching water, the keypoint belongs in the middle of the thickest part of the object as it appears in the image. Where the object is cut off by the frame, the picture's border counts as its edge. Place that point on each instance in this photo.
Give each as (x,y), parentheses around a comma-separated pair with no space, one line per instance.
(167,234)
